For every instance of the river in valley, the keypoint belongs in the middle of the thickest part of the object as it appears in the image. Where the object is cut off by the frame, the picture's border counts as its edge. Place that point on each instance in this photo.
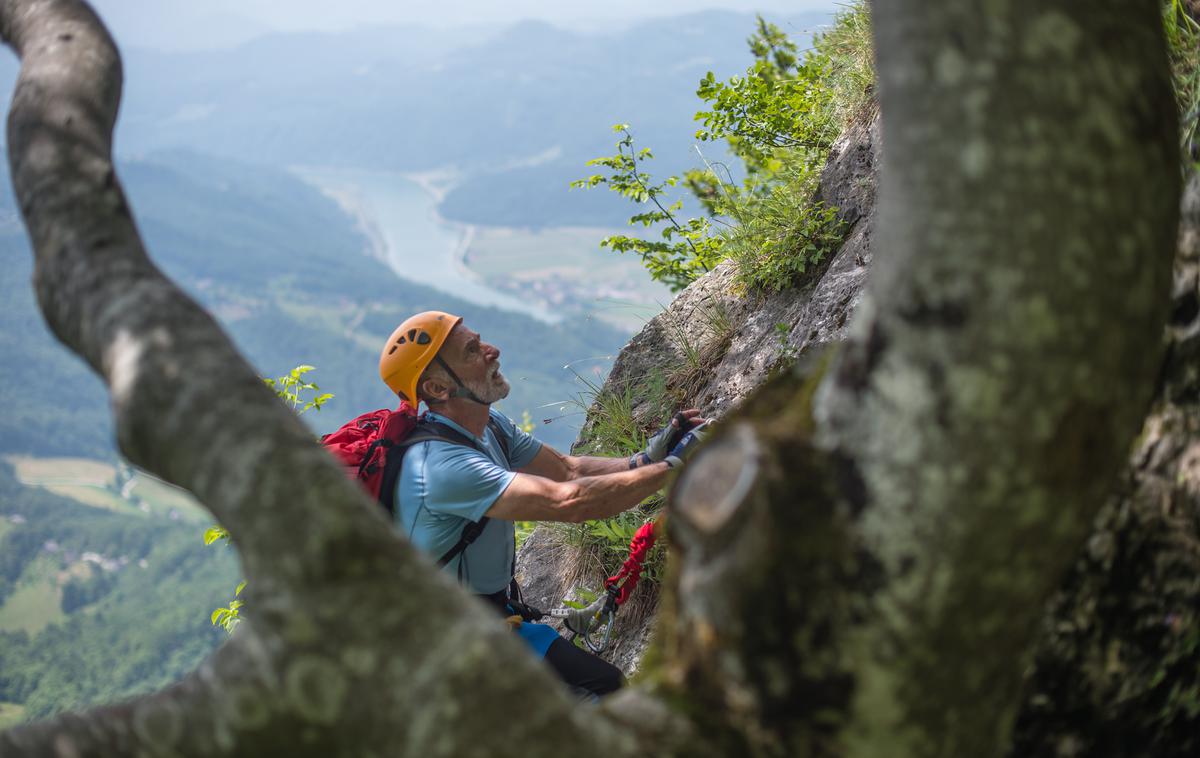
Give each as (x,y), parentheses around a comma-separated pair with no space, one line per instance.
(400,218)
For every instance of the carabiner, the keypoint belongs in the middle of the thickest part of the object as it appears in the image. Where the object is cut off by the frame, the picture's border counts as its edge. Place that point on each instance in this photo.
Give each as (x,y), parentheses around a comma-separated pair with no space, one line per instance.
(608,627)
(583,622)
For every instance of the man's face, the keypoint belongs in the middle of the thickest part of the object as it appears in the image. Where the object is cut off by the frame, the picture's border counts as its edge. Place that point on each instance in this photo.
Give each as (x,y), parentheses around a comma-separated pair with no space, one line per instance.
(477,364)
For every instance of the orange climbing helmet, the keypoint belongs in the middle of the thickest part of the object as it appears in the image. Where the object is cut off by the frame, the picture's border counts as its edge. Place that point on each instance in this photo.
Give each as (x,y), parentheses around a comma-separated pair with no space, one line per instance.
(411,348)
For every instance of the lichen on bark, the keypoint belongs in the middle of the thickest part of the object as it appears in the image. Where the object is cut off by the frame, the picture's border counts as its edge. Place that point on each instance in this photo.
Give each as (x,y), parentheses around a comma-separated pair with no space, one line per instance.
(1007,353)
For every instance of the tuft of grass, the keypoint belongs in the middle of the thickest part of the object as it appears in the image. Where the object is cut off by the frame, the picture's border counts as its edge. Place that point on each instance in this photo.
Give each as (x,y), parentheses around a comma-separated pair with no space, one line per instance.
(788,233)
(848,57)
(1183,48)
(701,352)
(614,427)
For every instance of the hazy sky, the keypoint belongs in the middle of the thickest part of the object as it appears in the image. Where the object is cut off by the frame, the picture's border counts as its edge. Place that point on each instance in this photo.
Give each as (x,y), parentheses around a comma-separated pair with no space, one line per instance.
(193,24)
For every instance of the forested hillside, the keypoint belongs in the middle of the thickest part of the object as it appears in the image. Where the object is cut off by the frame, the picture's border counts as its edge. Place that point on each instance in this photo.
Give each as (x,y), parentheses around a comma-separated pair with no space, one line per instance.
(96,605)
(290,277)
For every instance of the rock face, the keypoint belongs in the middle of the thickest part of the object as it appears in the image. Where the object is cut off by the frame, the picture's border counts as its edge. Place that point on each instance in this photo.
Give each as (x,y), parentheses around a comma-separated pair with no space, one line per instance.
(713,347)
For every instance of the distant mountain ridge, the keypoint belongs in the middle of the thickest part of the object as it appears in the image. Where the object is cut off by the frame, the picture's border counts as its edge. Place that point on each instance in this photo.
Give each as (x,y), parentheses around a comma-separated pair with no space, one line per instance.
(407,98)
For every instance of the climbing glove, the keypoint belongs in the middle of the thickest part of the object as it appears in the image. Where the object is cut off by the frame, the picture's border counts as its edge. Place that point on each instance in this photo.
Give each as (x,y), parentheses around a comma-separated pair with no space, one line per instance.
(665,439)
(687,445)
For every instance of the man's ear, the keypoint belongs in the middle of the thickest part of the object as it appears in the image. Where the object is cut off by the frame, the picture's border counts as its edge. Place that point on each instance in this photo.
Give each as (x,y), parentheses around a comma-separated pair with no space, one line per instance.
(434,389)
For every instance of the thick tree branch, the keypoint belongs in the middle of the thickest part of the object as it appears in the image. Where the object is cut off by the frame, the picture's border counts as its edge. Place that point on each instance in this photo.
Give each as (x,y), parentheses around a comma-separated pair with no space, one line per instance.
(894,563)
(1006,354)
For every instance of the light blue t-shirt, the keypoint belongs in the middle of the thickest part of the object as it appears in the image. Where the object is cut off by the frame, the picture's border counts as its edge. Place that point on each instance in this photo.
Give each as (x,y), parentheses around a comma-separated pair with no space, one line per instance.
(442,485)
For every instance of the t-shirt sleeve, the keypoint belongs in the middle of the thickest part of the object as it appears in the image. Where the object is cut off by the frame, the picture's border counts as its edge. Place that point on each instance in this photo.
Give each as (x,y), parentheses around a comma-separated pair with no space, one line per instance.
(467,483)
(522,447)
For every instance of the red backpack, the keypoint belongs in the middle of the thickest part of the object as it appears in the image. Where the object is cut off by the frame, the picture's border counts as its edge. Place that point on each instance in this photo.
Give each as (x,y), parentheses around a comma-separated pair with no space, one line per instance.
(372,446)
(364,443)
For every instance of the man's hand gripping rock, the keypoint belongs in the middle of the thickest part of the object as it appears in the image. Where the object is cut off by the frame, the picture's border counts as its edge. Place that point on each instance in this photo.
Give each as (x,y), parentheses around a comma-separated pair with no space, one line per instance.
(671,438)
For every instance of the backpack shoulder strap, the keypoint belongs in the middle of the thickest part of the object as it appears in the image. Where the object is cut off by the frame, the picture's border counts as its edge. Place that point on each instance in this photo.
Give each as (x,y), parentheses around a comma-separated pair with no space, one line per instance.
(501,440)
(432,430)
(423,432)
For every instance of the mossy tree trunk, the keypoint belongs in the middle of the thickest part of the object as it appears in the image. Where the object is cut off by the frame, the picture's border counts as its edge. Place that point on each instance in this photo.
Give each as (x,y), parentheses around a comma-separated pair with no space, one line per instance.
(863,585)
(1029,202)
(895,561)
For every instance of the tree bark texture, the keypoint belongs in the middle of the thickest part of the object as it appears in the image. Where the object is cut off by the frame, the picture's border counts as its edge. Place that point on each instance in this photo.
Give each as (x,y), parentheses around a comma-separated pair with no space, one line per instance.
(864,586)
(1005,355)
(1116,670)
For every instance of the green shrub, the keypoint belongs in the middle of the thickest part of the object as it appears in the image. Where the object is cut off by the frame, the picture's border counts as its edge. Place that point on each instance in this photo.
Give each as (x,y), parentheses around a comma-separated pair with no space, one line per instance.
(686,249)
(786,234)
(779,119)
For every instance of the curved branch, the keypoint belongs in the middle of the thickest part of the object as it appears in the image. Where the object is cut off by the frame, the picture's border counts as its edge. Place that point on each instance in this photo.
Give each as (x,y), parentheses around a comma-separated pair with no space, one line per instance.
(356,645)
(175,378)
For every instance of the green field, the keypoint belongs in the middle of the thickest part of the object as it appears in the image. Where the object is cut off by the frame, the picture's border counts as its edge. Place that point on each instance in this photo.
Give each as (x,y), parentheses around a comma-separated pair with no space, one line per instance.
(35,602)
(164,498)
(566,269)
(93,483)
(43,472)
(11,714)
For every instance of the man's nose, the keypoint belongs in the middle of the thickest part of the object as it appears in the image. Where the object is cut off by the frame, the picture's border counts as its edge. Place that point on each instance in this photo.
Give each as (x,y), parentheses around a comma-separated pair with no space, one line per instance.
(491,351)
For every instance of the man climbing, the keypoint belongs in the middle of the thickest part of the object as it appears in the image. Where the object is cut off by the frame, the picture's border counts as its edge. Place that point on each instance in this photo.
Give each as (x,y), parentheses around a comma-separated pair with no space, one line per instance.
(484,470)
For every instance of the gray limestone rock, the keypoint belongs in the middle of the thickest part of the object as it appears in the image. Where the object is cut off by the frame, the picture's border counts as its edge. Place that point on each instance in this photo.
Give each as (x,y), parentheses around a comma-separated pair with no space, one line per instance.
(713,346)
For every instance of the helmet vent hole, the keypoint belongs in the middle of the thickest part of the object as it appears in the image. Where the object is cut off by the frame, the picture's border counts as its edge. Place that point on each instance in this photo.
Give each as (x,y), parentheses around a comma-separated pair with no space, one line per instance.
(393,349)
(412,334)
(401,341)
(424,339)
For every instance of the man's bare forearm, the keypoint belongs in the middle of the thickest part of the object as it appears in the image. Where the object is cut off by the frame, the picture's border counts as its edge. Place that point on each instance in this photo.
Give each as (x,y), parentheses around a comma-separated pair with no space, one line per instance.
(590,465)
(537,493)
(607,494)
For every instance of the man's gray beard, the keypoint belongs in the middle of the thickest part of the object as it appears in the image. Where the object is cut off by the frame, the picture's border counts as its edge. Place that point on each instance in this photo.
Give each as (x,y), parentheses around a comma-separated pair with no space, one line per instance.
(490,391)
